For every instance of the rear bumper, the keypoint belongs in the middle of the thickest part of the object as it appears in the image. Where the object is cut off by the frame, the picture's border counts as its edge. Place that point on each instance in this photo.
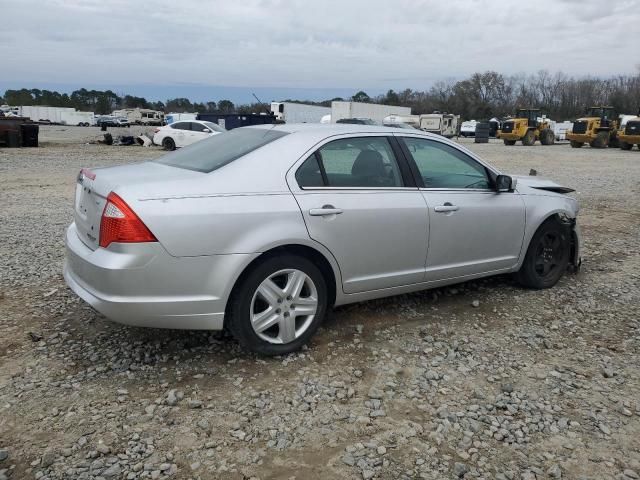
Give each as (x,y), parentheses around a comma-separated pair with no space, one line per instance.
(142,285)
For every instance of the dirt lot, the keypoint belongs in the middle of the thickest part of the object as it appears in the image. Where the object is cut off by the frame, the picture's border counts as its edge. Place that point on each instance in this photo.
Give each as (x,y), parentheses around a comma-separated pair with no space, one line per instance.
(528,385)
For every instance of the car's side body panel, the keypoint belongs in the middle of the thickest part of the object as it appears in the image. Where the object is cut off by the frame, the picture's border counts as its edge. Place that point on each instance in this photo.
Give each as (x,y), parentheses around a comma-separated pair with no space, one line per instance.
(210,227)
(379,239)
(484,235)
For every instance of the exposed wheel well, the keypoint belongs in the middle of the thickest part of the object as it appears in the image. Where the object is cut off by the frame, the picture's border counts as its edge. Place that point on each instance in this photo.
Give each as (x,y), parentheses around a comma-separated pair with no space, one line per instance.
(304,251)
(564,219)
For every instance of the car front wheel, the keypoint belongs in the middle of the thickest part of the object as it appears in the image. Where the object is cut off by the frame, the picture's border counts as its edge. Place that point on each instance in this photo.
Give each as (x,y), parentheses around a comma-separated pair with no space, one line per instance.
(547,257)
(278,306)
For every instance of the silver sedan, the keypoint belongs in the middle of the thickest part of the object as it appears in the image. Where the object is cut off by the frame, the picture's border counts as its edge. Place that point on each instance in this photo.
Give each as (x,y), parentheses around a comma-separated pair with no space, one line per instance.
(260,230)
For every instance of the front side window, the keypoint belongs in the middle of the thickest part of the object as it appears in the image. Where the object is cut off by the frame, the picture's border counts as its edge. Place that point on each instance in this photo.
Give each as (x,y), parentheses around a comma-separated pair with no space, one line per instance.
(443,166)
(360,162)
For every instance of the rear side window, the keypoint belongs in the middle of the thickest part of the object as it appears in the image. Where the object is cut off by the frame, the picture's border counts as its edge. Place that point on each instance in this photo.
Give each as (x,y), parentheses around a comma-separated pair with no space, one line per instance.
(310,174)
(198,127)
(219,150)
(352,162)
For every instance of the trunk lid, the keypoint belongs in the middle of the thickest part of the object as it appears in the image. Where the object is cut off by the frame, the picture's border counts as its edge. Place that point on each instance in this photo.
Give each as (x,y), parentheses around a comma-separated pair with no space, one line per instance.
(93,186)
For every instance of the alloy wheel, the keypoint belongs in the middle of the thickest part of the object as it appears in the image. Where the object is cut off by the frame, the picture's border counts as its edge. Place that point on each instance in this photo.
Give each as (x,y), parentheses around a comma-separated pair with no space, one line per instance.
(284,306)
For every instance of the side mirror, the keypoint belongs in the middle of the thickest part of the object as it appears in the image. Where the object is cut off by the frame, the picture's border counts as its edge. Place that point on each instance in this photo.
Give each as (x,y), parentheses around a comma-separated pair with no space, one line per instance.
(206,130)
(504,183)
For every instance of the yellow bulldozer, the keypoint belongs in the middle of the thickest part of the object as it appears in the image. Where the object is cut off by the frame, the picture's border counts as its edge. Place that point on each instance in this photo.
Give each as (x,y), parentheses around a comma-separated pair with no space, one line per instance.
(527,126)
(630,134)
(599,129)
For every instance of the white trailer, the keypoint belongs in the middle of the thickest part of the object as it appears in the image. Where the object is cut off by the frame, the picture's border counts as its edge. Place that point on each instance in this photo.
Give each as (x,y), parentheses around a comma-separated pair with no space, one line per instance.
(37,113)
(140,116)
(413,120)
(373,111)
(290,112)
(170,118)
(445,124)
(81,119)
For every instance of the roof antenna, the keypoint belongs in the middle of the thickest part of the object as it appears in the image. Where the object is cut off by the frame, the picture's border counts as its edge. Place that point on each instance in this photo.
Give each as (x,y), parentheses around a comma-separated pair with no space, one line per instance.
(266,107)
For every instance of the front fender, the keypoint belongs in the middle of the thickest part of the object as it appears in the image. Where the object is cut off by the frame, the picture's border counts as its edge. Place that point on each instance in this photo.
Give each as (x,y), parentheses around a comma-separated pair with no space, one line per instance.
(539,208)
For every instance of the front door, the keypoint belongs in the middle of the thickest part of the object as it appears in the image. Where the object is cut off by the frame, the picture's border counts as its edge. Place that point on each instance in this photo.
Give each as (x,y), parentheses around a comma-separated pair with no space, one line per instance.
(473,229)
(356,200)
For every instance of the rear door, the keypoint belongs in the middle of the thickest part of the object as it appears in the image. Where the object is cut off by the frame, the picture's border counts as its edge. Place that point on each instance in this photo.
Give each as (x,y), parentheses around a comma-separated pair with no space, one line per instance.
(473,229)
(358,200)
(180,133)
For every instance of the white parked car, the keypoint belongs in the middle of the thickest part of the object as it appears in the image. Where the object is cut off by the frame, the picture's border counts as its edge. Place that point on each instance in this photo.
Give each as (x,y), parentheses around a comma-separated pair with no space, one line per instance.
(181,134)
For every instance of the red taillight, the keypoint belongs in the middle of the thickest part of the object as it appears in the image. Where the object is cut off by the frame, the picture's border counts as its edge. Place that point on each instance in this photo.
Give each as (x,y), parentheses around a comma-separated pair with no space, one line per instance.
(120,224)
(156,130)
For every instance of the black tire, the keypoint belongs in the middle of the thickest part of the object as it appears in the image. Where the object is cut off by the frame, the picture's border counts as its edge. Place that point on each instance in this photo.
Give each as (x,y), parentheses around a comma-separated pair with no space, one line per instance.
(547,257)
(529,138)
(575,144)
(168,143)
(509,142)
(547,137)
(625,145)
(242,303)
(601,140)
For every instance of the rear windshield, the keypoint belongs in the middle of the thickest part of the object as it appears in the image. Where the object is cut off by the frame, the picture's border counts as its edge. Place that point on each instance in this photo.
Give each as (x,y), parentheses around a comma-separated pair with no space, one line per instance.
(215,152)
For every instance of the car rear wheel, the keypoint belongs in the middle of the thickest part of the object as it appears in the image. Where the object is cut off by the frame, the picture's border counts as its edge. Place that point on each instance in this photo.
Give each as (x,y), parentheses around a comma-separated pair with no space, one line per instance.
(168,143)
(625,145)
(278,306)
(547,257)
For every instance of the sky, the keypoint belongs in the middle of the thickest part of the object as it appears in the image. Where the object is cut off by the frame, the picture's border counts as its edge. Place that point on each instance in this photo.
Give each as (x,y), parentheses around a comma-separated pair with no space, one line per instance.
(313,49)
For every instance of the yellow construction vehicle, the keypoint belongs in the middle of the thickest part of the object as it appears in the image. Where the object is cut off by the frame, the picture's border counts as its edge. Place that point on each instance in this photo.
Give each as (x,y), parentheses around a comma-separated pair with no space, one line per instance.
(630,134)
(527,126)
(599,129)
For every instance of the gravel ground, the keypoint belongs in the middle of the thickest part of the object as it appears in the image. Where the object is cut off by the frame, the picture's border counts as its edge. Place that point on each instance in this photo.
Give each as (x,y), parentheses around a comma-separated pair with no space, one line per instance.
(480,380)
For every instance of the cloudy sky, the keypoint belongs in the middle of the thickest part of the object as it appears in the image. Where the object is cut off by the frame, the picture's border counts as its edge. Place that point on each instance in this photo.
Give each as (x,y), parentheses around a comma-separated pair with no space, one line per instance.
(308,44)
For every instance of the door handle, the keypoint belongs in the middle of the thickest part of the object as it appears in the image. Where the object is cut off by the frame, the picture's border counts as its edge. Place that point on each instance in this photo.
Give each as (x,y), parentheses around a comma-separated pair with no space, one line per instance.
(325,210)
(447,207)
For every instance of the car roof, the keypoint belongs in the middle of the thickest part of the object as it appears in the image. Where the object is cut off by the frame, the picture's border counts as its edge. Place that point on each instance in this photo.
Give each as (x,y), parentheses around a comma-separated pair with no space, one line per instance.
(325,129)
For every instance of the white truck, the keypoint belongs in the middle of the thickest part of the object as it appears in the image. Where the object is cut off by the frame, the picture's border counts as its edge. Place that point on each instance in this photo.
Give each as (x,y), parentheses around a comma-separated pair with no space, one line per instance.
(140,116)
(342,110)
(445,124)
(81,119)
(290,112)
(468,128)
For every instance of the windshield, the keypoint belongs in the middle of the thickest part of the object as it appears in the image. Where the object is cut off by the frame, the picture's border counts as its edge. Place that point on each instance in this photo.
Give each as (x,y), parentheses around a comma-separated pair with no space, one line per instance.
(214,127)
(217,151)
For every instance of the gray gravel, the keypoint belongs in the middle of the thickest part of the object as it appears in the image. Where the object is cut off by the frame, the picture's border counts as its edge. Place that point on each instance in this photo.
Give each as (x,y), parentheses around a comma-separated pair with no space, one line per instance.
(480,380)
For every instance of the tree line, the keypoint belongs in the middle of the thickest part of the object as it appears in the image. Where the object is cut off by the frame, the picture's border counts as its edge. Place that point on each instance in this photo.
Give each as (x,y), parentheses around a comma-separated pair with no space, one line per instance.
(481,96)
(104,102)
